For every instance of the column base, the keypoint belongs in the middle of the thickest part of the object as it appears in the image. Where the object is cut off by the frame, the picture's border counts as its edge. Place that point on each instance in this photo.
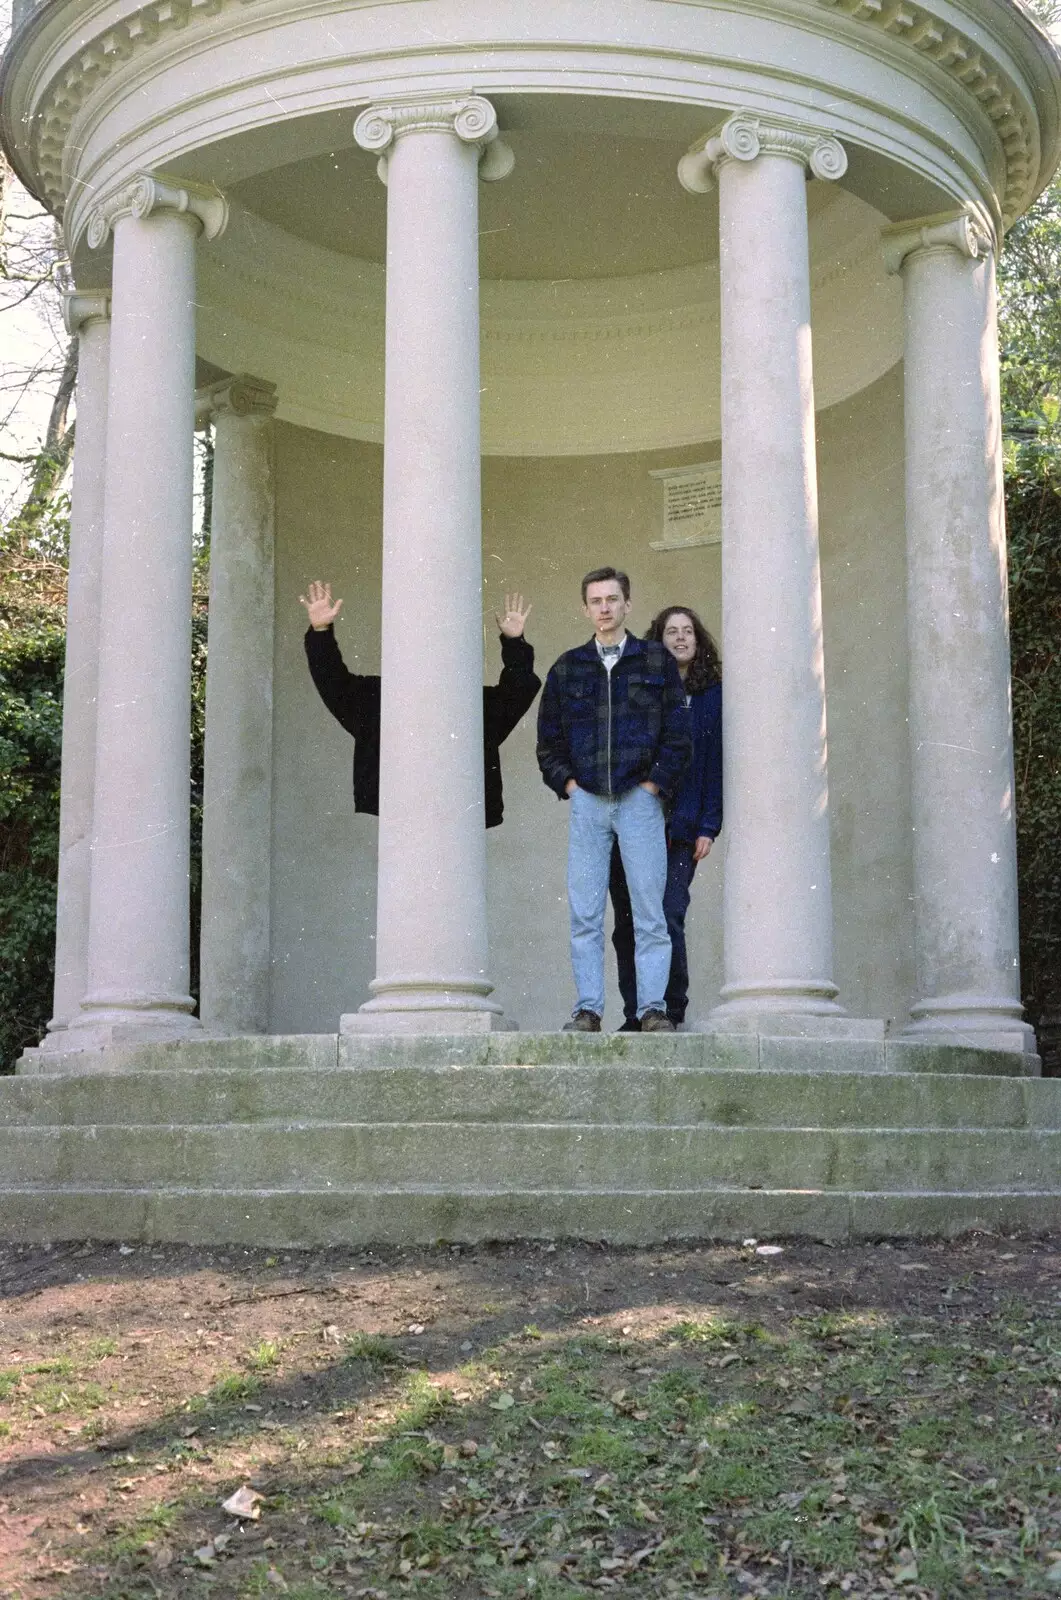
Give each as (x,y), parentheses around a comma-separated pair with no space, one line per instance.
(427,1005)
(103,1022)
(794,1025)
(787,1008)
(980,1023)
(425,1022)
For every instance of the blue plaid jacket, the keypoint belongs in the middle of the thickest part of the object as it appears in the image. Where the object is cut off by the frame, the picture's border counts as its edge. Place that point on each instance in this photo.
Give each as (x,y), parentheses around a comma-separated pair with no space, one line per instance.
(610,733)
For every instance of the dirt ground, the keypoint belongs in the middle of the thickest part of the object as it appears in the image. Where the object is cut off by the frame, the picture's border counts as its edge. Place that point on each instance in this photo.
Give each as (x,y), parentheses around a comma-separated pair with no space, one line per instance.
(119,1365)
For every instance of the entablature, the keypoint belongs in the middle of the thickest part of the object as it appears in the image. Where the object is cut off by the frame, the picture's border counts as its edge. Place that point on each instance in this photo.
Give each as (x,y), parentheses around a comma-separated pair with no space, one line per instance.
(72,78)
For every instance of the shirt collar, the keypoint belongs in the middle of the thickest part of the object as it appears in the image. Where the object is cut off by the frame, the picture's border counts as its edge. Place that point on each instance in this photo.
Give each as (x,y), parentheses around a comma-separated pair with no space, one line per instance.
(615,650)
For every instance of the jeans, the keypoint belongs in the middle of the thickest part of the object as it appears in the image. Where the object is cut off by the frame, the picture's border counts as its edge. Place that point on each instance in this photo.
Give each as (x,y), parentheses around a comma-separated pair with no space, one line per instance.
(634,821)
(680,870)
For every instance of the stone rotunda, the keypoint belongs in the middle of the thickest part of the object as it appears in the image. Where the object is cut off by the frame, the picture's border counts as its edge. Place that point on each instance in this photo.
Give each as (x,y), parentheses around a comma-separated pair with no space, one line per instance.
(476,297)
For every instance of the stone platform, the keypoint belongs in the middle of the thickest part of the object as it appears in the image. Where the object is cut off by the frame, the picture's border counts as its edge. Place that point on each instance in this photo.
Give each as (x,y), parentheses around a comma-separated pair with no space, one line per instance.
(325,1139)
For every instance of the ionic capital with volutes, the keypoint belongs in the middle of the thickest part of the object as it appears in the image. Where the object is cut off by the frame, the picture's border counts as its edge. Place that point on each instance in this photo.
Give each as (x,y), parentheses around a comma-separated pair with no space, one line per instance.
(146,196)
(239,396)
(746,136)
(962,231)
(80,309)
(470,117)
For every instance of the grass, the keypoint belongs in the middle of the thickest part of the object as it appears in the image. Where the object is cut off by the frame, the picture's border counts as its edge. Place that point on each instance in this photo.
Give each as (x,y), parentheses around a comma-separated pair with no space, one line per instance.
(835,1456)
(264,1355)
(844,1454)
(371,1348)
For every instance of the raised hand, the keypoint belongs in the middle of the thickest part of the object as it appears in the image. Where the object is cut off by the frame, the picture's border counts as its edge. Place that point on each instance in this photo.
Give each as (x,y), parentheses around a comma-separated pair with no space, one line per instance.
(514,620)
(319,606)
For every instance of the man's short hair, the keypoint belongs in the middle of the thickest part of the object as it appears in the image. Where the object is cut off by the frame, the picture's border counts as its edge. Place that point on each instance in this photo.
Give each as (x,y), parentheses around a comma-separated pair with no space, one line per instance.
(602,575)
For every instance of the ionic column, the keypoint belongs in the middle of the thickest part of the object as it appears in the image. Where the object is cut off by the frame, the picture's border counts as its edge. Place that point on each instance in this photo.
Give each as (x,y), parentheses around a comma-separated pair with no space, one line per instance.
(238,769)
(431,939)
(87,317)
(964,841)
(778,901)
(138,921)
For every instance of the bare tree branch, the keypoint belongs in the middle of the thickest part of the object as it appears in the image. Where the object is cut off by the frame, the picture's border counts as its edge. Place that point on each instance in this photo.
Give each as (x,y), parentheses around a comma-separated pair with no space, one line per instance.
(51,463)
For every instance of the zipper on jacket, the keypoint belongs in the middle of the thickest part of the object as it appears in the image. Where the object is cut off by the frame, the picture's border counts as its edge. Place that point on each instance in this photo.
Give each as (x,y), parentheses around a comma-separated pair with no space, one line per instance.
(608,675)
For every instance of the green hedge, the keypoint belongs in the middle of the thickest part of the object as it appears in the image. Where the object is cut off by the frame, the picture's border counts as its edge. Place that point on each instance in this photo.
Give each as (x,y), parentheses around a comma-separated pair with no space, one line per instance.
(31,676)
(31,689)
(1033,508)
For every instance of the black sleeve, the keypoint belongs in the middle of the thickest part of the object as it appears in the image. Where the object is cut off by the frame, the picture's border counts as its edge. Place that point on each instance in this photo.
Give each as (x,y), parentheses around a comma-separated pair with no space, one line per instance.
(513,695)
(554,757)
(346,694)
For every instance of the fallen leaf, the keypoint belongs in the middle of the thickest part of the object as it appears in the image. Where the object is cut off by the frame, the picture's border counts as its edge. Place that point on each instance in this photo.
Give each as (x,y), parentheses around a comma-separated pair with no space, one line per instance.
(769,1250)
(504,1402)
(244,1503)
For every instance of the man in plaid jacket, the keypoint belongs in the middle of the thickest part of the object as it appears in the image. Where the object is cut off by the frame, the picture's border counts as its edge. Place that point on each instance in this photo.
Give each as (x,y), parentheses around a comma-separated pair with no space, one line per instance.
(613,738)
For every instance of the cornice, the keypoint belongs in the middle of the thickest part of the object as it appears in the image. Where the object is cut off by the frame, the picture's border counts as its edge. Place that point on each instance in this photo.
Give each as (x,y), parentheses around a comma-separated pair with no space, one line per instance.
(745,136)
(914,29)
(978,73)
(145,195)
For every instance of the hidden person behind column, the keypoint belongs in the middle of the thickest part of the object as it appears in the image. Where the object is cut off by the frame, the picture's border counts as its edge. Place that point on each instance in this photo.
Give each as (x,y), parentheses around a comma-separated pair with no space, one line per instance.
(354,699)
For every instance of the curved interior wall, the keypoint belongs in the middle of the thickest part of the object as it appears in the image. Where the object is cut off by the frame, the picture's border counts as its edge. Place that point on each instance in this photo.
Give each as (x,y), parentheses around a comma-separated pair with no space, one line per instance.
(577,366)
(546,521)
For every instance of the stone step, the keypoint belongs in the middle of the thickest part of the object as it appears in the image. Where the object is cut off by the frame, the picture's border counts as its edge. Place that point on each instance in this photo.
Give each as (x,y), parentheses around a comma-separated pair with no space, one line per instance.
(615,1093)
(424,1215)
(712,1051)
(530,1156)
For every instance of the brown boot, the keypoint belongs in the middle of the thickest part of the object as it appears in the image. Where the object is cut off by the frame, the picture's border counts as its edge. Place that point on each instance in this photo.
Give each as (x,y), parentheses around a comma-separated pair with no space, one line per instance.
(656,1022)
(582,1022)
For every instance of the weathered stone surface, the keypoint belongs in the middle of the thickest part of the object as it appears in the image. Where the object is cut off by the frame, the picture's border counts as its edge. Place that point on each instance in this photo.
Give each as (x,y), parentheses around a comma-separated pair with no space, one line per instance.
(519,1094)
(821,1055)
(286,1140)
(902,1055)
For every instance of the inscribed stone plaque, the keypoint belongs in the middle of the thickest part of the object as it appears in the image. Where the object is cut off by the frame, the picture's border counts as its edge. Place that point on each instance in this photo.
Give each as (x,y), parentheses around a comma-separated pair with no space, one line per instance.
(692,506)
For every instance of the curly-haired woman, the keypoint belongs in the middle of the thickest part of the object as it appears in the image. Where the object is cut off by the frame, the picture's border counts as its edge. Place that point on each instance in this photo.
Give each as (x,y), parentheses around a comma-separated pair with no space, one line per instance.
(695,818)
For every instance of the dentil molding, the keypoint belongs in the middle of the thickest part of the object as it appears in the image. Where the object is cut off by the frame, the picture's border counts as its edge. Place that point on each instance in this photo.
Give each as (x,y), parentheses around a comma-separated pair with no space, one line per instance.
(144,196)
(470,117)
(914,28)
(745,136)
(950,230)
